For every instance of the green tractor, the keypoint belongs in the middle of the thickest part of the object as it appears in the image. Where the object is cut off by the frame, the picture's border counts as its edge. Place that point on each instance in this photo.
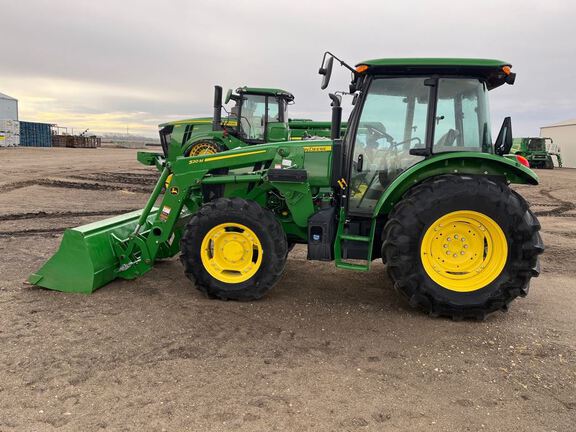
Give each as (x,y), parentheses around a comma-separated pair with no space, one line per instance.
(417,181)
(264,118)
(536,151)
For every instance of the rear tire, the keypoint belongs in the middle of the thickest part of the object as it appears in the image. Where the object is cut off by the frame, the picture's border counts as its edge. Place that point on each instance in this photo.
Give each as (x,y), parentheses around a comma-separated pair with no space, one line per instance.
(507,246)
(234,249)
(204,147)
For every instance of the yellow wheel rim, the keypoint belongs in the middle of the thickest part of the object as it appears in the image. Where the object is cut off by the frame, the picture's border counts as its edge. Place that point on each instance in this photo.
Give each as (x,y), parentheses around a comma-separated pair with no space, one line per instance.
(231,253)
(464,251)
(203,148)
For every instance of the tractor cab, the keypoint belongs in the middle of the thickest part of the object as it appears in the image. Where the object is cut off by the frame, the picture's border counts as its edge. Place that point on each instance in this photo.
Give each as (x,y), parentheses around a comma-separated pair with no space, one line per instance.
(408,110)
(412,119)
(260,114)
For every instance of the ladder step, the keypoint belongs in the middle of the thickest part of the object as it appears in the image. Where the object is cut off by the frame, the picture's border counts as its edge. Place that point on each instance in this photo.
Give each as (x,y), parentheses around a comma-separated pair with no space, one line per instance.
(352,266)
(353,237)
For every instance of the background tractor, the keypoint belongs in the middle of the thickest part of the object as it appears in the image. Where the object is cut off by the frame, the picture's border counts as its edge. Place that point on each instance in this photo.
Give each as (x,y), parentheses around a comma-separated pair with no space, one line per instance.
(417,181)
(264,118)
(538,151)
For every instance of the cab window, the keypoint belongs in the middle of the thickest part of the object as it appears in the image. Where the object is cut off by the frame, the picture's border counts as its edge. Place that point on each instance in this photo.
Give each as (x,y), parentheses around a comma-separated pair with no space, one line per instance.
(273,109)
(392,122)
(252,117)
(462,122)
(256,112)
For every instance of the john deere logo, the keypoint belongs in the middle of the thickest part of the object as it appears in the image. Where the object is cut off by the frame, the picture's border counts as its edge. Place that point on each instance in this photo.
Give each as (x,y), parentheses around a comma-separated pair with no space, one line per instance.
(174,190)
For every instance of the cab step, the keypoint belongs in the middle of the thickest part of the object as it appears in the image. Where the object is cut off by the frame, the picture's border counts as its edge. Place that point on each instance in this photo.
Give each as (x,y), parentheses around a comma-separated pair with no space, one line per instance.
(354,237)
(340,247)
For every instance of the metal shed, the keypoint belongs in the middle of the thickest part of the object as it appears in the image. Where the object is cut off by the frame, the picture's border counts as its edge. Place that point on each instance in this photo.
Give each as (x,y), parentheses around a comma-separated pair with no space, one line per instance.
(564,136)
(8,107)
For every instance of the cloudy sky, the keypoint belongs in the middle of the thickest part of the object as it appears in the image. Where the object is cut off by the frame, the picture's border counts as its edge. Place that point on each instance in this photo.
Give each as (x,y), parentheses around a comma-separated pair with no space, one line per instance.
(112,65)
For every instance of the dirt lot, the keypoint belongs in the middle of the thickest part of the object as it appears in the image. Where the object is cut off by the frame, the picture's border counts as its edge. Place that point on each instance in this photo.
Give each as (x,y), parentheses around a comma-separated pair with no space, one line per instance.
(326,350)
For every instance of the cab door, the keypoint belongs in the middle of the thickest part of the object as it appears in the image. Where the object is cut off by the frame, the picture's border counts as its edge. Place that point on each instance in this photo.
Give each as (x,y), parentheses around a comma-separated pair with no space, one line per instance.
(392,121)
(277,125)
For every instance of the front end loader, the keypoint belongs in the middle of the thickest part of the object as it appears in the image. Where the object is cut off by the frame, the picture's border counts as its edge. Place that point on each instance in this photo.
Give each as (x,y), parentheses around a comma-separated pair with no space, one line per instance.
(416,181)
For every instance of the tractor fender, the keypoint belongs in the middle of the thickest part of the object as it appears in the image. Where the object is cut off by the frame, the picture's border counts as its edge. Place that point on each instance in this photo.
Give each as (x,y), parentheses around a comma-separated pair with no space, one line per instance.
(471,163)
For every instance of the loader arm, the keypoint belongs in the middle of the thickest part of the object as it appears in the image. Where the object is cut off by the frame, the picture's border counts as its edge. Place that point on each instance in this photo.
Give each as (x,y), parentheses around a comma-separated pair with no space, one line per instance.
(127,246)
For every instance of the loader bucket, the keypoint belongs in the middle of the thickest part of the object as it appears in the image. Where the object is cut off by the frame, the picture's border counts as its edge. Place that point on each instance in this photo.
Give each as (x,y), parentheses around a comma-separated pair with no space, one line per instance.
(86,259)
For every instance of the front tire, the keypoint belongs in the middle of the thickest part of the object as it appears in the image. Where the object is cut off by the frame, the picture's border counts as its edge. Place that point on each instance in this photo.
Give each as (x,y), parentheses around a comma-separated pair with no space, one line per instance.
(462,246)
(234,249)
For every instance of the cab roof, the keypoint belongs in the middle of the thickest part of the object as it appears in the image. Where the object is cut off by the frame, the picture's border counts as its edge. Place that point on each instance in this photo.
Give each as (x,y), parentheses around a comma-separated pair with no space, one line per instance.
(493,71)
(436,62)
(266,91)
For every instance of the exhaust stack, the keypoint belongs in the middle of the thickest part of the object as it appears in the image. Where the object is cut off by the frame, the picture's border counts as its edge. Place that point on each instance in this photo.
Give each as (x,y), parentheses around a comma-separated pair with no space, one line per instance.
(336,117)
(217,118)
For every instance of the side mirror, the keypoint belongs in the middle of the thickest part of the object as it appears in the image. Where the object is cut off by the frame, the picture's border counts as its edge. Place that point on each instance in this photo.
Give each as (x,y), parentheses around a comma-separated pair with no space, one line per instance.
(326,72)
(510,79)
(503,143)
(228,96)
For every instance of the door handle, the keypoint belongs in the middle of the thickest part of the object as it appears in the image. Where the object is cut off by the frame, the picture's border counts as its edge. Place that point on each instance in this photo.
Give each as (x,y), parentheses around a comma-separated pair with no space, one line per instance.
(360,163)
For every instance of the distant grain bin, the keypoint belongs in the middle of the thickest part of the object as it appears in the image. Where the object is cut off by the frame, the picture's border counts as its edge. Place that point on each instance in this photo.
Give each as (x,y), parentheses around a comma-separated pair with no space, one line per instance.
(8,107)
(564,136)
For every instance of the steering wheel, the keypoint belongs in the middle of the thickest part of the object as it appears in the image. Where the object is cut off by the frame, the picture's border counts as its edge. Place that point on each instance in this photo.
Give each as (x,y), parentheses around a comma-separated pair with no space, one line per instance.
(378,131)
(418,142)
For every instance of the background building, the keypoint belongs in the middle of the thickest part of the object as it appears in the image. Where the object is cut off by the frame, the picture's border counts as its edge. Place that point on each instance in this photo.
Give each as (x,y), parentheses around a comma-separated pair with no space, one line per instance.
(564,135)
(8,107)
(9,125)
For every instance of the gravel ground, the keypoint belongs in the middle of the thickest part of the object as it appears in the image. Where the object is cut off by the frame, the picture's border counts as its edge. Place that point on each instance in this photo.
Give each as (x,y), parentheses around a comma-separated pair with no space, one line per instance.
(327,349)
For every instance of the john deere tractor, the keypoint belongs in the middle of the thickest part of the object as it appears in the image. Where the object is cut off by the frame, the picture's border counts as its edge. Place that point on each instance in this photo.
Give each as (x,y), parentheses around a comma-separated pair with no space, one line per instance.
(535,150)
(263,118)
(417,181)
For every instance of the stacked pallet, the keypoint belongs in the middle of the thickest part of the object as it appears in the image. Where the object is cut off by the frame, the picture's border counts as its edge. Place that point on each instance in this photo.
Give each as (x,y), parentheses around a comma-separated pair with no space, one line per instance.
(59,140)
(9,133)
(84,142)
(35,134)
(76,141)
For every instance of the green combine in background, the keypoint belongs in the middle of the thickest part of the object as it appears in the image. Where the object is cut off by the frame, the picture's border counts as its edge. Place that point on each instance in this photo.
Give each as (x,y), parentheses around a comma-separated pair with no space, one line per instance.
(537,151)
(416,181)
